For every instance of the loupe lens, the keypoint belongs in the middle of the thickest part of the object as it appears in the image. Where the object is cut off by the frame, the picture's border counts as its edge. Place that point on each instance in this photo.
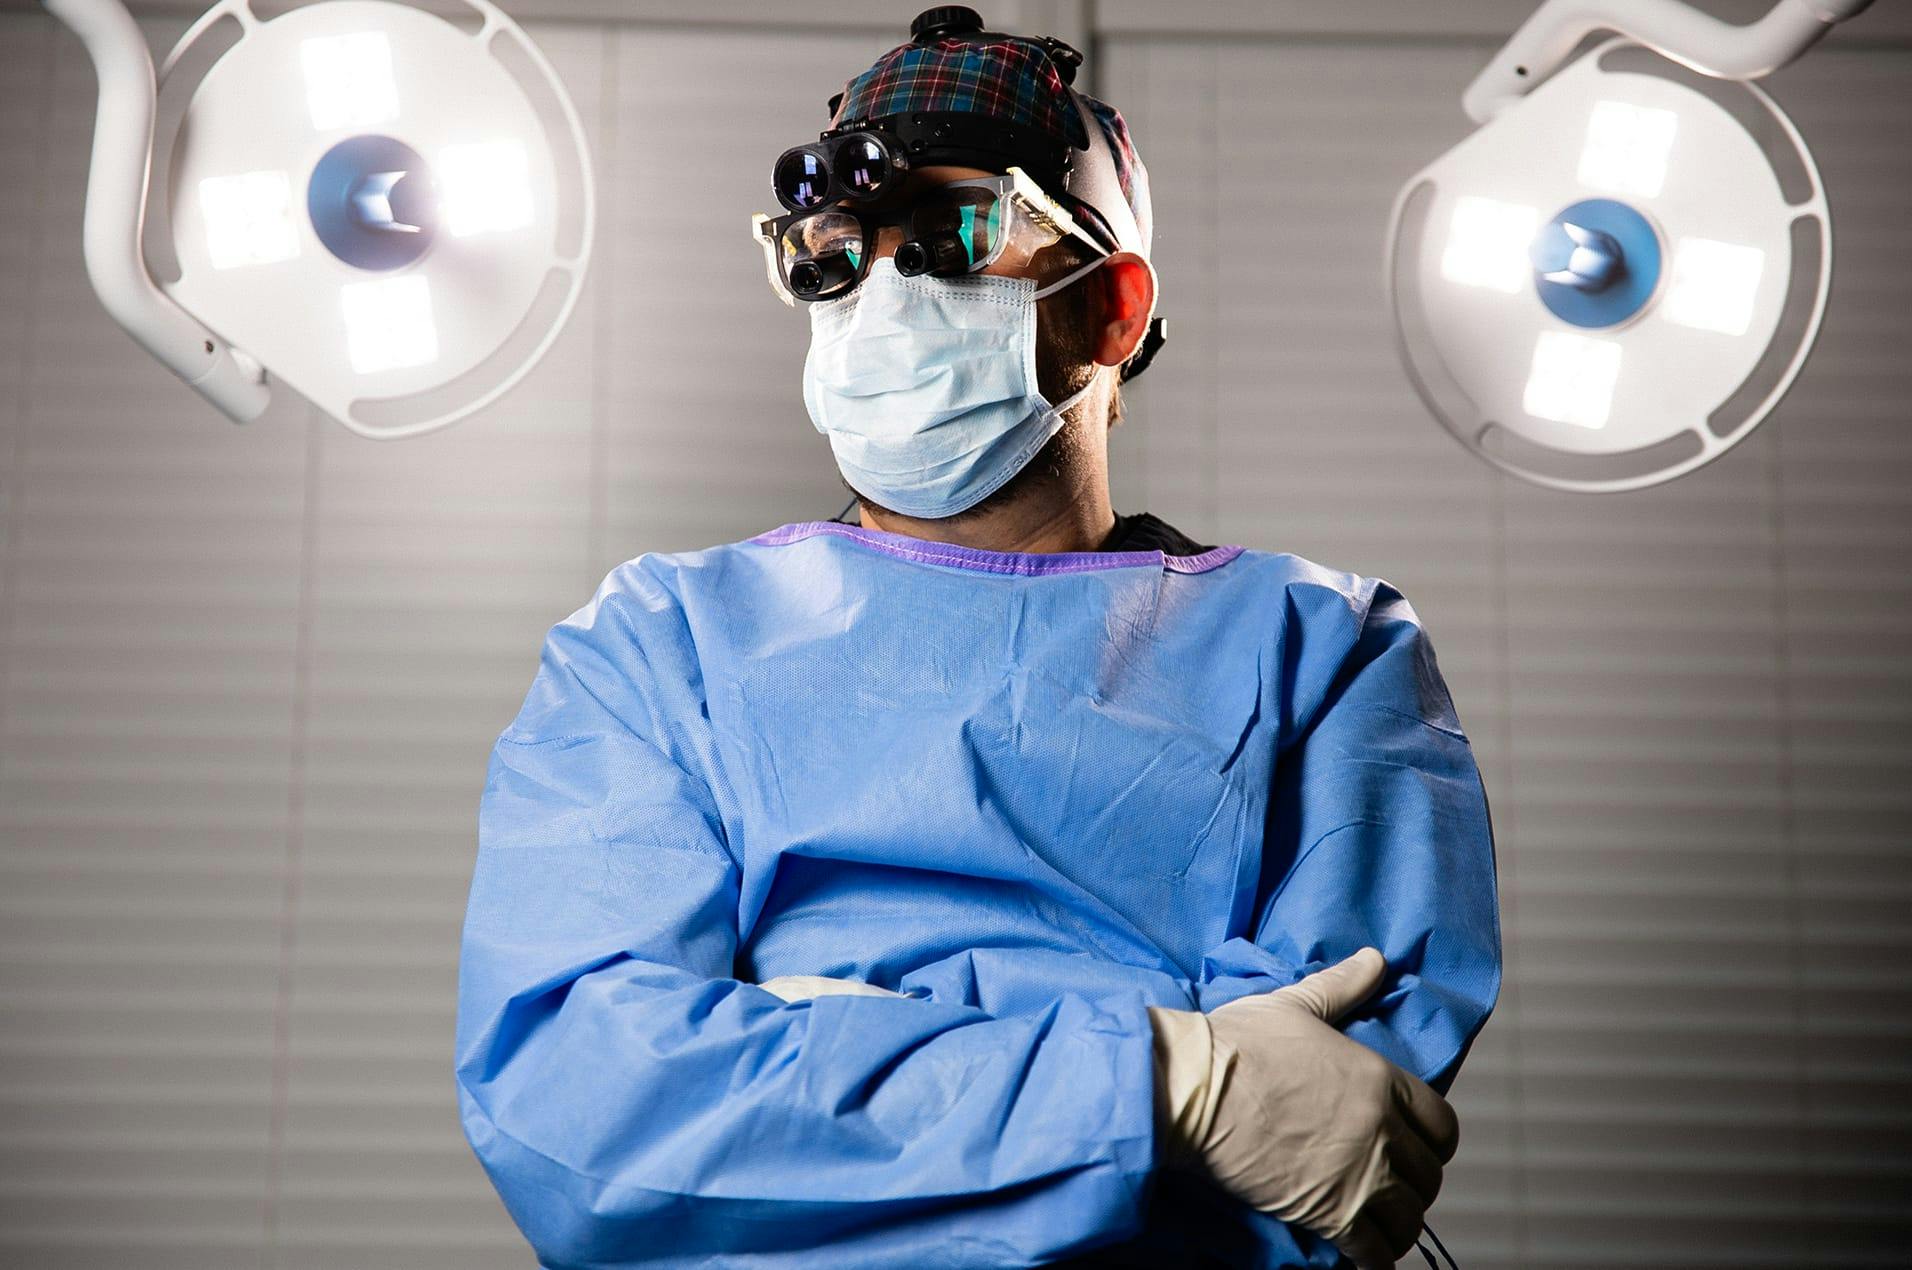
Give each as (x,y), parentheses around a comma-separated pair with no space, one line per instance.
(806,278)
(938,253)
(911,259)
(863,165)
(801,180)
(819,279)
(821,253)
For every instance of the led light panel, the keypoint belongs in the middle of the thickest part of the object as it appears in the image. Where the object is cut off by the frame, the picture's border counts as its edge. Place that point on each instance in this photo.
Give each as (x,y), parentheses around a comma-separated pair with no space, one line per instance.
(1487,244)
(348,80)
(1714,285)
(1627,148)
(482,187)
(388,323)
(1571,379)
(249,219)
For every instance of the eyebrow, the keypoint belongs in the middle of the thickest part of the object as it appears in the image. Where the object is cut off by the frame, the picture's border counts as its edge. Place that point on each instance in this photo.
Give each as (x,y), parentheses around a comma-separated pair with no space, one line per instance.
(915,183)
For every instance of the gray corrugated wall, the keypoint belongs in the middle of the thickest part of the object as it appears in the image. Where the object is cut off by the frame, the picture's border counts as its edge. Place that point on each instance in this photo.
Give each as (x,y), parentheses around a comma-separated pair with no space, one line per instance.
(251,675)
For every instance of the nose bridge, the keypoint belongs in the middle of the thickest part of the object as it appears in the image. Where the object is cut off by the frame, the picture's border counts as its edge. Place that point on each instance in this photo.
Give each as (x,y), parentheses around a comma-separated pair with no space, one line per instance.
(888,239)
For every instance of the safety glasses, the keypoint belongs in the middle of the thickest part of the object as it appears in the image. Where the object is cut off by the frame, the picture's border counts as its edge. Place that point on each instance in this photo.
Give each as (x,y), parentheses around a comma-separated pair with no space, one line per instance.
(952,229)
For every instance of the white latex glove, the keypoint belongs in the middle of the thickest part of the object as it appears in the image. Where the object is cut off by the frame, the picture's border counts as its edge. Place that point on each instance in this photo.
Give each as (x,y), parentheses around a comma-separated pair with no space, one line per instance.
(1293,1118)
(807,987)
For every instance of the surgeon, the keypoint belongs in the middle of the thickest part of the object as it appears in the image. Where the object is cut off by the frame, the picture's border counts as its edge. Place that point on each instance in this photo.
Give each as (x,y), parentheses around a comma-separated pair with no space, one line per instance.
(983,879)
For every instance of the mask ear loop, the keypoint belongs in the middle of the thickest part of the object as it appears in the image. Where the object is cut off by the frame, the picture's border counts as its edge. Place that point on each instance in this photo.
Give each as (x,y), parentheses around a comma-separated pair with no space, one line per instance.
(1152,340)
(1071,277)
(1073,399)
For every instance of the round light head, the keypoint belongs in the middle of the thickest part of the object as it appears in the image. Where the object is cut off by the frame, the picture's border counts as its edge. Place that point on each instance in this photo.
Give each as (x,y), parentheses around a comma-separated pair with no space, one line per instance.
(1614,281)
(392,213)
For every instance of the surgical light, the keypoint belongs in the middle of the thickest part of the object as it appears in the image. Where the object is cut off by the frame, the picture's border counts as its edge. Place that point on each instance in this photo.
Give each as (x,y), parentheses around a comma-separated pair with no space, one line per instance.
(388,211)
(1620,273)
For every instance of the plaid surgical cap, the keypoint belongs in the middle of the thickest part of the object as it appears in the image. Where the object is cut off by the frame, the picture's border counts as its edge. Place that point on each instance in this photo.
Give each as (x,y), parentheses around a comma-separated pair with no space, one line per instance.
(1008,80)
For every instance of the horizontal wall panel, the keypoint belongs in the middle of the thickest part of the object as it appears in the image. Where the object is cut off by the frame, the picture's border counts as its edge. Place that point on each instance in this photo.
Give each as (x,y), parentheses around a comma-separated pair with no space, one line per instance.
(250,676)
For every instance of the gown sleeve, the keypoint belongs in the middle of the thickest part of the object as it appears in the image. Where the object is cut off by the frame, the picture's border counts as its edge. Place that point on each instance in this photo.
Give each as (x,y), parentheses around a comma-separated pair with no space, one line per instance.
(1378,833)
(636,1104)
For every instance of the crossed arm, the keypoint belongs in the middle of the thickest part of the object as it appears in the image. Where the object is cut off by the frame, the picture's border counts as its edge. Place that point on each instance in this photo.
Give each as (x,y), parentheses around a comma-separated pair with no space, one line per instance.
(635,1103)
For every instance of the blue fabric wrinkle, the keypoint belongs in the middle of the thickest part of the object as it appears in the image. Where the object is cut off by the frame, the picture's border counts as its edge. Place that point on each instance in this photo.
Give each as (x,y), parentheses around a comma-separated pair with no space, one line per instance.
(1036,796)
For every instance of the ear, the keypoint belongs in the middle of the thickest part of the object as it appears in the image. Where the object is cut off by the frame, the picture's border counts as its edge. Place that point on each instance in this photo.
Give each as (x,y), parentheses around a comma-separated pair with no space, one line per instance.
(1128,298)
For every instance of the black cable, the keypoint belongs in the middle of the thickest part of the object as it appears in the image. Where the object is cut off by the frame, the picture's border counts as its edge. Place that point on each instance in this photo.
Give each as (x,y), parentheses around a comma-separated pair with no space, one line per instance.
(838,518)
(1445,1254)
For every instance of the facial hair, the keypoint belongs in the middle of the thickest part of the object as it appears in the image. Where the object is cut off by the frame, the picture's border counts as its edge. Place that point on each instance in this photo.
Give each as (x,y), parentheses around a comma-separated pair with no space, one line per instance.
(1064,363)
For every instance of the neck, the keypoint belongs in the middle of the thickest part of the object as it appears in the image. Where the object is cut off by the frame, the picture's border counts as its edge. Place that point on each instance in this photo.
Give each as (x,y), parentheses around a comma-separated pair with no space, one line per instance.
(1069,513)
(1082,526)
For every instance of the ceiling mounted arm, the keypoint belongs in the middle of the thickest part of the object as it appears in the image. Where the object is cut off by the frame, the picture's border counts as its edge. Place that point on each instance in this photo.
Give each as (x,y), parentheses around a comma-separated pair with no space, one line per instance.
(116,211)
(1669,27)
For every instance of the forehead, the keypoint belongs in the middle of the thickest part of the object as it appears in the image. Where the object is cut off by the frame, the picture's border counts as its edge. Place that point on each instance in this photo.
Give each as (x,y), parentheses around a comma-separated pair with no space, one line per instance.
(943,173)
(929,176)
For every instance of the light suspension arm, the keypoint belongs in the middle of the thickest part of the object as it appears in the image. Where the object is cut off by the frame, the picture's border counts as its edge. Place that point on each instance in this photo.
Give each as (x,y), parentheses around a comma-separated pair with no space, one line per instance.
(116,212)
(1669,27)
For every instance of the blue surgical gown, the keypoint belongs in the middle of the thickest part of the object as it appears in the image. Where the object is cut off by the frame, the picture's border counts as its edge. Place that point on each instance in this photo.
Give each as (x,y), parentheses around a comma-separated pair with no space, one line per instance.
(1034,794)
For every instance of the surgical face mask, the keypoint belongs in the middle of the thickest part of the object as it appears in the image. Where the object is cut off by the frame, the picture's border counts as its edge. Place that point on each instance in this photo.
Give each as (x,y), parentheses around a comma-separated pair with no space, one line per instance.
(926,386)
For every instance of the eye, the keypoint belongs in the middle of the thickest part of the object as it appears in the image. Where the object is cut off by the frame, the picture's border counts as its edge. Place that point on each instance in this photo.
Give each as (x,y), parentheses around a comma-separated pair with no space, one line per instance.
(826,234)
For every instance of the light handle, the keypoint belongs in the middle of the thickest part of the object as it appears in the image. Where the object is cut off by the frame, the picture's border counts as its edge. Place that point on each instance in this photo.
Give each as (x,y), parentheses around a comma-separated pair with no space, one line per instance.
(116,213)
(1669,27)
